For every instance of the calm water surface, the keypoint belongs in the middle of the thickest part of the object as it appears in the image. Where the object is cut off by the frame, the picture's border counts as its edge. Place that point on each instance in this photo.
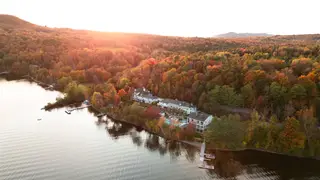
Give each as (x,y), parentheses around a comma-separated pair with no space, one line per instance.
(79,146)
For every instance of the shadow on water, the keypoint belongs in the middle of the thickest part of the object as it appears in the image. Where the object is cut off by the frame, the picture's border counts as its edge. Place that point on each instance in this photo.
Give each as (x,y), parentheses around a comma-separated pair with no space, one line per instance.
(285,166)
(152,142)
(31,152)
(231,165)
(254,164)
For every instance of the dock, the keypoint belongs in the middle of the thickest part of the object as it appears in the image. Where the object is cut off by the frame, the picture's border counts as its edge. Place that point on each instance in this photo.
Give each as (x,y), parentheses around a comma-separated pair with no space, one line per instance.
(204,165)
(101,114)
(202,150)
(204,158)
(68,111)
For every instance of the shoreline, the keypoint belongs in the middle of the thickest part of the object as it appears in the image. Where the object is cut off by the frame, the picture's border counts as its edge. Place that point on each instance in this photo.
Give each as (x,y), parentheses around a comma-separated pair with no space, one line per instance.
(198,144)
(191,143)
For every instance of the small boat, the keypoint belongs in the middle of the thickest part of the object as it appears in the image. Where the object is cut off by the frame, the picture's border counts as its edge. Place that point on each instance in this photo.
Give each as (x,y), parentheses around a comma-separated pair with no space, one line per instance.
(210,156)
(100,115)
(39,119)
(86,102)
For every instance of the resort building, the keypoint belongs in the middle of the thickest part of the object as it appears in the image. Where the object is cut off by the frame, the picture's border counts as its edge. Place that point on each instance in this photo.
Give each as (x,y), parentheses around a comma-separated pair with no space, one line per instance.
(145,96)
(175,104)
(200,119)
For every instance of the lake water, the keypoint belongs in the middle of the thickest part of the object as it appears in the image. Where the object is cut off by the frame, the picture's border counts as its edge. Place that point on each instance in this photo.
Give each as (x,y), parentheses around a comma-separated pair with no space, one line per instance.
(78,146)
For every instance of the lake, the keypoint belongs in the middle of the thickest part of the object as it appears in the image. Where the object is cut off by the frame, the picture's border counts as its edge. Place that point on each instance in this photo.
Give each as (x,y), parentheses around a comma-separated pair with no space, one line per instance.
(79,146)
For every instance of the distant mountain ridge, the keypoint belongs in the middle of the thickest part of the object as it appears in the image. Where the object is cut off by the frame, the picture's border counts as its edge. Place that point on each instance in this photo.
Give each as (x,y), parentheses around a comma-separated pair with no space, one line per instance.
(14,22)
(10,23)
(240,35)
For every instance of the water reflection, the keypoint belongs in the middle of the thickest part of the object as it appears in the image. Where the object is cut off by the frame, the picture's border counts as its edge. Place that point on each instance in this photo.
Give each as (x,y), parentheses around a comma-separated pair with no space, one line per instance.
(65,146)
(136,138)
(225,164)
(116,129)
(152,142)
(228,165)
(285,167)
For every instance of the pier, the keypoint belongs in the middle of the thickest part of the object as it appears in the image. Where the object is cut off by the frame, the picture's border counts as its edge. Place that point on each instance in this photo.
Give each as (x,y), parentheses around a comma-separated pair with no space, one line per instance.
(101,114)
(76,108)
(204,157)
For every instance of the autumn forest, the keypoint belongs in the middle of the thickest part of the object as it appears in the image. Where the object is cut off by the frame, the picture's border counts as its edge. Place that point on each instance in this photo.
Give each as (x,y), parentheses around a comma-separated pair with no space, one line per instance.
(265,90)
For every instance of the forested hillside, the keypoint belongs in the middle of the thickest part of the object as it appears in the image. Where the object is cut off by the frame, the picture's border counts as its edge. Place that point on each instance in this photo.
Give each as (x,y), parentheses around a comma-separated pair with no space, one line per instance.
(277,76)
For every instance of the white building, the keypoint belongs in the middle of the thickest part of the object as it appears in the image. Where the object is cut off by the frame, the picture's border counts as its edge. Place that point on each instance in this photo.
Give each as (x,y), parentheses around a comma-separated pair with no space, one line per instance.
(145,96)
(201,120)
(180,105)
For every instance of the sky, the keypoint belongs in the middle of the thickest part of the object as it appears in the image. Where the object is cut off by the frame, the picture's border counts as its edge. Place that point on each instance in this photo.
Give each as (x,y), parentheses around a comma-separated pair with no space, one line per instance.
(202,18)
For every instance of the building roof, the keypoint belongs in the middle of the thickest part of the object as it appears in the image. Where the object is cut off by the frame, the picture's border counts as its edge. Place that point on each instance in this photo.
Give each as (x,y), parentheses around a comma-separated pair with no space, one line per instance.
(142,92)
(200,116)
(180,103)
(149,96)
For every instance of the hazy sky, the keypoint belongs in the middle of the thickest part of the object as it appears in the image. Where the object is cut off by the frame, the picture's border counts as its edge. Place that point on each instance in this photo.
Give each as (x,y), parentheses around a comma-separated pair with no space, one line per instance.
(172,17)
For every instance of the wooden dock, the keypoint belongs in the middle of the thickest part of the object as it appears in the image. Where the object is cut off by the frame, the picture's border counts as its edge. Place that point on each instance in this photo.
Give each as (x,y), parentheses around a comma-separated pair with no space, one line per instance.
(101,115)
(68,111)
(205,166)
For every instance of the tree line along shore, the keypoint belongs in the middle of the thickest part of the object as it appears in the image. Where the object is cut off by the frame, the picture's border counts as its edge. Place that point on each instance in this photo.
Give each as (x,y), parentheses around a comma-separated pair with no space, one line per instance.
(272,81)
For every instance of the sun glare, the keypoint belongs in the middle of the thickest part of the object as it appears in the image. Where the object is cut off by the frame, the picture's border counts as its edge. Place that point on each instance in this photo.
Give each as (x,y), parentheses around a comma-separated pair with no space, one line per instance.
(167,17)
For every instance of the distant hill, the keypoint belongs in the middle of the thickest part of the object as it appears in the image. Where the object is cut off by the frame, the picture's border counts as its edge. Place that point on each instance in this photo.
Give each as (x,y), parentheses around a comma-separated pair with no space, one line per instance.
(12,26)
(241,35)
(10,21)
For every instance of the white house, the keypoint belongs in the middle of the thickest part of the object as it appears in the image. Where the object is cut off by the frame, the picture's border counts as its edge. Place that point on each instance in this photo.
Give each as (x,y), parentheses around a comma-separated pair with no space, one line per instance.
(145,96)
(200,119)
(175,104)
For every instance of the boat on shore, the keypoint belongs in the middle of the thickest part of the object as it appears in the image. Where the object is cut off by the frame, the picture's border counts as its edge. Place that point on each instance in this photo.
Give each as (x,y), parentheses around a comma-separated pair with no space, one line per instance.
(101,115)
(86,102)
(210,156)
